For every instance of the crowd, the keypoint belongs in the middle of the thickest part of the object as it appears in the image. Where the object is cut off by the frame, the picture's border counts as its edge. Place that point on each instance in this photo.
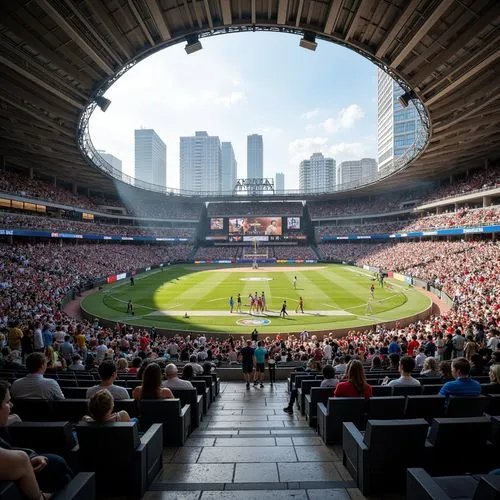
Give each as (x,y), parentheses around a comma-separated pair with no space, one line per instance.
(59,225)
(261,208)
(240,252)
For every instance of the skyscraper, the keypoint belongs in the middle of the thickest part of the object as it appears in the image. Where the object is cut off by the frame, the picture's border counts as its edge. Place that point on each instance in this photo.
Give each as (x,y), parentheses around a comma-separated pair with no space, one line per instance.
(111,159)
(397,127)
(150,157)
(356,172)
(229,167)
(200,163)
(279,185)
(317,175)
(255,157)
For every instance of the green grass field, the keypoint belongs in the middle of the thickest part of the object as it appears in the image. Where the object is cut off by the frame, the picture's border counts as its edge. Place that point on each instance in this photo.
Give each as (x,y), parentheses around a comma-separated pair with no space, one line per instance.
(335,296)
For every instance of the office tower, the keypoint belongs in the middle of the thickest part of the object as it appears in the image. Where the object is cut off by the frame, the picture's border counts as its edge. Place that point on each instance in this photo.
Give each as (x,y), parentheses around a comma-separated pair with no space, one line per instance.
(200,163)
(279,184)
(112,160)
(356,172)
(397,127)
(150,157)
(229,167)
(255,157)
(317,175)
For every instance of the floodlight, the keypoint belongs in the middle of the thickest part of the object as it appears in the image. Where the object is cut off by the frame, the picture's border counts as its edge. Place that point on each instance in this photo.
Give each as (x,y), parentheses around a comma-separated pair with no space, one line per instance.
(102,102)
(308,41)
(193,44)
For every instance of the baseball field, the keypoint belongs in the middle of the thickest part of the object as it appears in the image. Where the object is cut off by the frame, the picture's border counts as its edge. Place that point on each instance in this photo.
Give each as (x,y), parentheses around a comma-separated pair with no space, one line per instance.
(197,298)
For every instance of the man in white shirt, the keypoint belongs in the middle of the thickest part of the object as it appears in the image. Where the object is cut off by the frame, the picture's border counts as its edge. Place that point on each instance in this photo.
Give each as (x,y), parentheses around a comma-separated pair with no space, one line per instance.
(420,358)
(34,385)
(327,351)
(406,366)
(197,369)
(38,338)
(493,341)
(107,372)
(173,381)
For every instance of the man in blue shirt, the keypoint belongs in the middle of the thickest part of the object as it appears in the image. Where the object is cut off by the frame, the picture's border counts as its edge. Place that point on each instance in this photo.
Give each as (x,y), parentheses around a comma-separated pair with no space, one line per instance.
(463,385)
(394,347)
(260,359)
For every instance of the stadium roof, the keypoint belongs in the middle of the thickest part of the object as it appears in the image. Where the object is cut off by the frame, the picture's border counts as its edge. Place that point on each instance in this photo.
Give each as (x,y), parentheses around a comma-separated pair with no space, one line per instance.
(55,55)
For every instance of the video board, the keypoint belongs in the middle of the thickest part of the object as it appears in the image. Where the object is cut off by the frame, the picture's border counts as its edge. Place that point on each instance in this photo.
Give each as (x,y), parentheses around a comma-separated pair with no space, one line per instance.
(255,226)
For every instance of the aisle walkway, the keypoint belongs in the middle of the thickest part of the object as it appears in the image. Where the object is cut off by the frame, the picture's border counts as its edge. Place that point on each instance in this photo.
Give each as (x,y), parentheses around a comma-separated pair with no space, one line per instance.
(248,448)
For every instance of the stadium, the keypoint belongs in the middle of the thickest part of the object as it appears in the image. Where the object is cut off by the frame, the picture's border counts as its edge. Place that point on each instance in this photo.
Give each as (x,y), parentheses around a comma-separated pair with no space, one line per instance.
(362,356)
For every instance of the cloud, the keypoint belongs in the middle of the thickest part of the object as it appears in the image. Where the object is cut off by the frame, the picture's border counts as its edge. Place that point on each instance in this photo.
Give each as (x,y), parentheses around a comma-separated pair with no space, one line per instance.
(230,99)
(345,119)
(309,114)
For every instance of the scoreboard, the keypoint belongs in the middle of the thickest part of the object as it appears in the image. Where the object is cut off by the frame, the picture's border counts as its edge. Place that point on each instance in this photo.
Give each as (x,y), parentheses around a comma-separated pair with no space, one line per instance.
(247,229)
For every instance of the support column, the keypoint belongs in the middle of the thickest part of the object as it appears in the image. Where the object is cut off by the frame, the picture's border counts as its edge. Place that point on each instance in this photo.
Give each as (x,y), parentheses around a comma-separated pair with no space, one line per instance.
(75,188)
(55,181)
(487,163)
(31,173)
(439,210)
(487,201)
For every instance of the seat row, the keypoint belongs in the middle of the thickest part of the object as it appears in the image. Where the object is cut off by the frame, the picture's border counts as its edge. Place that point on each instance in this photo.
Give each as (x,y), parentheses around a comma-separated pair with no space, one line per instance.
(332,415)
(378,458)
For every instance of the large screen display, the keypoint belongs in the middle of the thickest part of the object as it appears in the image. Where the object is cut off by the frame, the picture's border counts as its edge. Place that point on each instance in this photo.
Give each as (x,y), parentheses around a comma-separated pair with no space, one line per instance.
(293,223)
(216,224)
(256,226)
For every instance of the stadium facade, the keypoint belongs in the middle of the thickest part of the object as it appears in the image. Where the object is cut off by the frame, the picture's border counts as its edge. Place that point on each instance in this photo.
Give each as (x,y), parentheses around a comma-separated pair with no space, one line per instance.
(317,175)
(150,157)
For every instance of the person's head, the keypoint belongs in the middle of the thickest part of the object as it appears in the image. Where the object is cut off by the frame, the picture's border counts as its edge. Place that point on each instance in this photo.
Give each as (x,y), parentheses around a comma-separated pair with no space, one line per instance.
(151,381)
(394,358)
(36,362)
(376,362)
(430,364)
(136,362)
(187,372)
(75,358)
(171,371)
(495,374)
(328,372)
(66,338)
(193,358)
(355,373)
(460,367)
(445,369)
(121,365)
(5,404)
(101,405)
(406,365)
(477,360)
(107,370)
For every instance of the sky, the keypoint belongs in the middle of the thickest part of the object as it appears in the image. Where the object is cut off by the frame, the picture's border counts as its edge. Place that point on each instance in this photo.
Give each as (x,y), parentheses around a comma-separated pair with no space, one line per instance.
(301,101)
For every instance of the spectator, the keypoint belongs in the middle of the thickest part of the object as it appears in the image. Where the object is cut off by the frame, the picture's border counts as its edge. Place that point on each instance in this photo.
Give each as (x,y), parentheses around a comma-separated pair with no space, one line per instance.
(406,367)
(420,358)
(101,406)
(430,368)
(495,379)
(136,364)
(173,381)
(108,375)
(122,365)
(463,385)
(151,387)
(356,384)
(34,385)
(76,363)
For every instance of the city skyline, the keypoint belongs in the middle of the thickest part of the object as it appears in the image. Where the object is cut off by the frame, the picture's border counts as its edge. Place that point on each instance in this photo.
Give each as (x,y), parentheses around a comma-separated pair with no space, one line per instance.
(175,94)
(317,174)
(150,157)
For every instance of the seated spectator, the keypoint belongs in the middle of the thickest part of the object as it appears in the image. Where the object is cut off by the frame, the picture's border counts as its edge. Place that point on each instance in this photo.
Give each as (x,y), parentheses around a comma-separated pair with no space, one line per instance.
(445,371)
(101,406)
(151,387)
(38,475)
(477,365)
(420,358)
(463,385)
(107,373)
(340,366)
(122,366)
(197,368)
(187,372)
(406,366)
(356,385)
(34,385)
(76,363)
(394,359)
(430,368)
(10,359)
(495,379)
(136,364)
(173,381)
(376,364)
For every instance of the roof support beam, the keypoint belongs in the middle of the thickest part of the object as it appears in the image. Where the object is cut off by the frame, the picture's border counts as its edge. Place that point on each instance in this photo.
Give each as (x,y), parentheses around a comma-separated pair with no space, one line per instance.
(396,28)
(252,8)
(140,22)
(472,72)
(424,29)
(299,13)
(105,18)
(68,29)
(40,83)
(159,20)
(282,11)
(227,16)
(355,19)
(209,14)
(333,14)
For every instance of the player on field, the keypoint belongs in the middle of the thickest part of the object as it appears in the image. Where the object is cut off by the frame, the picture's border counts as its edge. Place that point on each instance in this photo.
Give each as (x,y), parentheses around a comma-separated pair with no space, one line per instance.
(283,312)
(259,305)
(295,282)
(263,297)
(372,291)
(369,308)
(231,304)
(238,303)
(130,307)
(300,305)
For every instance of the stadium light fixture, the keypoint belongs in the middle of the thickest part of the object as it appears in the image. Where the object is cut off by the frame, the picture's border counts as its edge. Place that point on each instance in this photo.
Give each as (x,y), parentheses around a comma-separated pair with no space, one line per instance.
(193,44)
(308,41)
(102,102)
(405,98)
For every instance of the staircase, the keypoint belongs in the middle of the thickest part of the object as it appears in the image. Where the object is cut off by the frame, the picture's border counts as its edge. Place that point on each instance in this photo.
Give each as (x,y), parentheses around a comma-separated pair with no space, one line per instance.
(248,448)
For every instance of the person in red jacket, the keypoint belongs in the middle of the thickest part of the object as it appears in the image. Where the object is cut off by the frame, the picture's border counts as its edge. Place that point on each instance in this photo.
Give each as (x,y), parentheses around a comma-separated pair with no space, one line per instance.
(356,385)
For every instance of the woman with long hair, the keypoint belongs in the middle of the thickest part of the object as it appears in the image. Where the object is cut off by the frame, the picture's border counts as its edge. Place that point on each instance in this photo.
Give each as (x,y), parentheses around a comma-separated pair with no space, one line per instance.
(356,385)
(101,406)
(151,385)
(430,368)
